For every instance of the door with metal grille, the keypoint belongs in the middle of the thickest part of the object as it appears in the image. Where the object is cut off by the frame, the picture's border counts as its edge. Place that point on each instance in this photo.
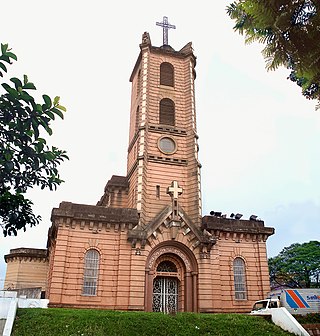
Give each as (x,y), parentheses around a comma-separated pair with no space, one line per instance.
(165,295)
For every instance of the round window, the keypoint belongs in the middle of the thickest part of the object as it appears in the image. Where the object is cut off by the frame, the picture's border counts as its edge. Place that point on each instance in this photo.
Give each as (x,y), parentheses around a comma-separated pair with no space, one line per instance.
(167,145)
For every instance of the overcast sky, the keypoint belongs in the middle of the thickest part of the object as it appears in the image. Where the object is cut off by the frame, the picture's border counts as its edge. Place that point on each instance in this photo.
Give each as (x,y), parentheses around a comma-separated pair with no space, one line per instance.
(259,138)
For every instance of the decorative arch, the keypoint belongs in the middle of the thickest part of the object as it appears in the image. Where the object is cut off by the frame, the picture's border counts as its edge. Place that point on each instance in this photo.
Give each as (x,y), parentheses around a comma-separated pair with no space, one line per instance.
(167,112)
(166,74)
(186,266)
(92,243)
(167,266)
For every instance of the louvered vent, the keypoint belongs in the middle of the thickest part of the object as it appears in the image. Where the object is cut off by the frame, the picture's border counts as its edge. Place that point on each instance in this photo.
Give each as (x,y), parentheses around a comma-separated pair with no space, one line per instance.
(166,112)
(166,74)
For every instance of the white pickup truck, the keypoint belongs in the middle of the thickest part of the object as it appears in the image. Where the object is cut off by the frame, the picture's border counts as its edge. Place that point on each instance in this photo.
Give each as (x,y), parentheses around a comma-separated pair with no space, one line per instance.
(296,301)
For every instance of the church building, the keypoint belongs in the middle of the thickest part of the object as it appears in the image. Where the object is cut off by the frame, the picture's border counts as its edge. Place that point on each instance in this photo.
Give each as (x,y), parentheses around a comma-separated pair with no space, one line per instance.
(145,245)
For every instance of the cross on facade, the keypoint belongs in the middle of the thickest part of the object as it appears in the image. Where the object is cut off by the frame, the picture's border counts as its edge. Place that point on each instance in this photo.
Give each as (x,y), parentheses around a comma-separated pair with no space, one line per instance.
(174,190)
(165,25)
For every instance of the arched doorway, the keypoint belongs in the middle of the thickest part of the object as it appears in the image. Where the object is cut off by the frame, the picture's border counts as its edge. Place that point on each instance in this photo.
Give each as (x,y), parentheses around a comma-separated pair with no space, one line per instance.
(171,279)
(165,294)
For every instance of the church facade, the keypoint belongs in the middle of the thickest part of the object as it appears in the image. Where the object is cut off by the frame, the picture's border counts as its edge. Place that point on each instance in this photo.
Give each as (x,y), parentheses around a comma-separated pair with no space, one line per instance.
(145,245)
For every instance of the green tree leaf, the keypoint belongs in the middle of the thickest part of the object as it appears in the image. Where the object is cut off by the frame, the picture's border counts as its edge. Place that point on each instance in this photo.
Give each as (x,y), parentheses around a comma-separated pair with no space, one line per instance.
(50,114)
(47,101)
(4,48)
(29,86)
(62,108)
(39,147)
(6,87)
(58,112)
(11,55)
(17,82)
(56,100)
(3,67)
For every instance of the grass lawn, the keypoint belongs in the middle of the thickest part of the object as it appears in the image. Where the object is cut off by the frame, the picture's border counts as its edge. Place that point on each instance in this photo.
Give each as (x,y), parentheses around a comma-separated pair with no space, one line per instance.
(87,322)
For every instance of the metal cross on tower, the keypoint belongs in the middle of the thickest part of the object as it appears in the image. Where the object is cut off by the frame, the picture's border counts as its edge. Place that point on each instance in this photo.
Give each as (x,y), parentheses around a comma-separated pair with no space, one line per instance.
(165,25)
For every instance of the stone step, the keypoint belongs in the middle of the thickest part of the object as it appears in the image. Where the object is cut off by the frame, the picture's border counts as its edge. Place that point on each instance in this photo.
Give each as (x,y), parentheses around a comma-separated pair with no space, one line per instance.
(312,329)
(2,324)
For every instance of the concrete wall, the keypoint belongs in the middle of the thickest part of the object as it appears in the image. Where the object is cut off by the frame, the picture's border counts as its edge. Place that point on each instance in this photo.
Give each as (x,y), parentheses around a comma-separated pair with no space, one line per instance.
(8,307)
(216,281)
(282,318)
(25,270)
(67,265)
(122,271)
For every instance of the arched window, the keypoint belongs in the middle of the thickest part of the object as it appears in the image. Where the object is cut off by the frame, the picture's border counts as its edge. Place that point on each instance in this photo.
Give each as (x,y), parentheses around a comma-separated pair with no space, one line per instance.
(166,74)
(91,269)
(166,266)
(239,273)
(167,112)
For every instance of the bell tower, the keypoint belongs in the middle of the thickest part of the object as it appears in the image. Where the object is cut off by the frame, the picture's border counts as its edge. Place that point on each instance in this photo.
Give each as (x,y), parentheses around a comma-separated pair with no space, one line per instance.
(163,141)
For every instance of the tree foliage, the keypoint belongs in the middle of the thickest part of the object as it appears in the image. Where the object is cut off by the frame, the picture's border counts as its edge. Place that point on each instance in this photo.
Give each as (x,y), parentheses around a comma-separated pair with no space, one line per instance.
(290,30)
(25,158)
(296,266)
